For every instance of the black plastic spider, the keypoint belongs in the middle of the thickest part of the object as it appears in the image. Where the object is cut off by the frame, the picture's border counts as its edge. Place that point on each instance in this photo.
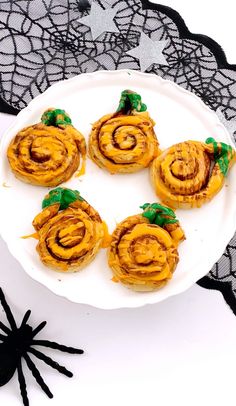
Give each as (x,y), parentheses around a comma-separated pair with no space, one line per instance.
(17,343)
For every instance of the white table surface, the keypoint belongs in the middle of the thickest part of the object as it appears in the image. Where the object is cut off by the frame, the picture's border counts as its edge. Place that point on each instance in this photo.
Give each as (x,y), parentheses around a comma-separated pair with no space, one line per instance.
(180,352)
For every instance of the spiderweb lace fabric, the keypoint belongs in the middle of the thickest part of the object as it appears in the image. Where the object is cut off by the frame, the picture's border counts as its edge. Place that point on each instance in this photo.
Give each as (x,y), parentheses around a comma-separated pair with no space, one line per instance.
(42,42)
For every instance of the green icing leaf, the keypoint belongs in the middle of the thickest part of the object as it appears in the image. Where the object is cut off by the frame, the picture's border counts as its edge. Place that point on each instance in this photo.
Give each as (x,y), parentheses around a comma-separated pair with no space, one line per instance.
(159,220)
(53,197)
(55,117)
(150,215)
(211,140)
(144,206)
(61,195)
(158,214)
(221,157)
(159,207)
(131,101)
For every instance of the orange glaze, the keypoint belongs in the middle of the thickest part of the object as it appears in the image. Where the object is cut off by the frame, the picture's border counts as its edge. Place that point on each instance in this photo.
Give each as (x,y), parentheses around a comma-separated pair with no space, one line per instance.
(123,143)
(81,171)
(45,155)
(143,256)
(107,237)
(186,174)
(115,279)
(34,235)
(70,238)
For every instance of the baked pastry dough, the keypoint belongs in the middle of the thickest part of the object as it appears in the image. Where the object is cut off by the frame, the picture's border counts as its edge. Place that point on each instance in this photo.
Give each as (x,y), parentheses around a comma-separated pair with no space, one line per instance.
(70,231)
(191,173)
(47,153)
(124,141)
(143,255)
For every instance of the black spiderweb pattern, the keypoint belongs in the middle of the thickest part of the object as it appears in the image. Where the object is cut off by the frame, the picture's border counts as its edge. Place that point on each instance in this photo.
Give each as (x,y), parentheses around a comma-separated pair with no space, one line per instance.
(41,42)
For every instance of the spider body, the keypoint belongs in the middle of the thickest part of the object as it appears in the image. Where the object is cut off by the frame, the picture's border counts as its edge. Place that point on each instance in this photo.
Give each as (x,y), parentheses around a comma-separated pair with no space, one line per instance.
(13,347)
(8,364)
(17,343)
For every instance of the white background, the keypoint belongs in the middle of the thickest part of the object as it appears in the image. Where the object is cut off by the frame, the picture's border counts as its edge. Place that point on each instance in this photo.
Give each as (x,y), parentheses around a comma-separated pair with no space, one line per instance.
(181,351)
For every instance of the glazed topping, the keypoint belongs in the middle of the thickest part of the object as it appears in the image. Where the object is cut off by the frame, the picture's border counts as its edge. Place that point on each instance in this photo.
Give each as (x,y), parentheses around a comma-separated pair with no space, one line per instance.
(61,195)
(107,237)
(222,155)
(144,256)
(70,238)
(55,117)
(130,101)
(184,177)
(158,214)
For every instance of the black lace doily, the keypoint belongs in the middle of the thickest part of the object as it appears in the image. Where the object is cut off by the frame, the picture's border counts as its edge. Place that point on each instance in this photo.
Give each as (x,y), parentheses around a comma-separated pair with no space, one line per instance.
(41,42)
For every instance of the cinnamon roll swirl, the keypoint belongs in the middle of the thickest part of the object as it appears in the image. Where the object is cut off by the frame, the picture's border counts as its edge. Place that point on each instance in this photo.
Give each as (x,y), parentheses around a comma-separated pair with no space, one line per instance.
(47,153)
(143,252)
(191,173)
(125,141)
(70,231)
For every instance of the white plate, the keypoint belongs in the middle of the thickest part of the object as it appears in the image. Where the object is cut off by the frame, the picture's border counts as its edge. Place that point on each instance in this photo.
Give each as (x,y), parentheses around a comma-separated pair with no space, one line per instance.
(179,116)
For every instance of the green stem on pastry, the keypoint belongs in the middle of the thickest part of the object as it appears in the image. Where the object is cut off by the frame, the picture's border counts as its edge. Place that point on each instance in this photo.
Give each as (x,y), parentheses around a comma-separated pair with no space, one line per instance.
(130,101)
(158,214)
(222,157)
(55,117)
(61,195)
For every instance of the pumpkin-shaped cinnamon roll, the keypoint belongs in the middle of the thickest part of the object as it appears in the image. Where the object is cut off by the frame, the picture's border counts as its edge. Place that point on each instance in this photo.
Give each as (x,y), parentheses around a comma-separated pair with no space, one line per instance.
(124,141)
(191,173)
(143,252)
(70,231)
(47,153)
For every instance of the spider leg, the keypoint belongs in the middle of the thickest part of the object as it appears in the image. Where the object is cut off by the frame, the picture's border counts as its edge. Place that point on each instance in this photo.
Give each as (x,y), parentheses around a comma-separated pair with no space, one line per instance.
(26,317)
(4,328)
(39,328)
(7,310)
(50,362)
(56,346)
(22,383)
(37,376)
(2,337)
